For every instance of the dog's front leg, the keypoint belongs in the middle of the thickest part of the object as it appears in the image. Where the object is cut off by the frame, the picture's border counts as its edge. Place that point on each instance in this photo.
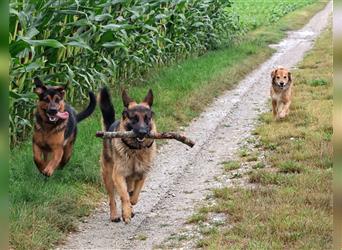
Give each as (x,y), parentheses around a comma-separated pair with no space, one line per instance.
(56,157)
(137,189)
(274,107)
(121,188)
(280,107)
(107,172)
(37,157)
(286,110)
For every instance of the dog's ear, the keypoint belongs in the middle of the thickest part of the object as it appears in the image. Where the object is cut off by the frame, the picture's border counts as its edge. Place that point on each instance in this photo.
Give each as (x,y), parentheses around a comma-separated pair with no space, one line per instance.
(125,113)
(290,76)
(273,73)
(40,87)
(126,99)
(149,98)
(61,90)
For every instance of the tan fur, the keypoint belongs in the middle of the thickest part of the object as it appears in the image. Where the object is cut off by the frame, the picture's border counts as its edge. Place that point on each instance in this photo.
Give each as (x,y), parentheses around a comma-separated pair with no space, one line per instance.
(124,170)
(281,98)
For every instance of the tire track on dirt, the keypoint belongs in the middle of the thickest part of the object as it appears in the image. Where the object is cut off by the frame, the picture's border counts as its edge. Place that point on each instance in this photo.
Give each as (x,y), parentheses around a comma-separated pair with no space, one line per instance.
(181,177)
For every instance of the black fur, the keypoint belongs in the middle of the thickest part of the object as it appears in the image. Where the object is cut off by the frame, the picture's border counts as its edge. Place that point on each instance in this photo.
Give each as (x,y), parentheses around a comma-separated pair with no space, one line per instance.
(89,110)
(107,108)
(72,122)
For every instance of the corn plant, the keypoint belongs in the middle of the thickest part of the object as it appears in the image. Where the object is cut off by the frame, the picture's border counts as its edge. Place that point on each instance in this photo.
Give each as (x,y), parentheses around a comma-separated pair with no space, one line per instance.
(86,43)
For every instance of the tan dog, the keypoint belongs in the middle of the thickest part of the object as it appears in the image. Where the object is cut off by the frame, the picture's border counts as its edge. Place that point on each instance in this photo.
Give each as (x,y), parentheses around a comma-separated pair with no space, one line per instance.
(126,162)
(281,92)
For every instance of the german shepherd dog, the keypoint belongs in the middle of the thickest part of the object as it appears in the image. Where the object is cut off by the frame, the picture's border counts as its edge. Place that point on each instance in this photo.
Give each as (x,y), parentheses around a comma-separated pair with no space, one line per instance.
(281,92)
(55,127)
(126,162)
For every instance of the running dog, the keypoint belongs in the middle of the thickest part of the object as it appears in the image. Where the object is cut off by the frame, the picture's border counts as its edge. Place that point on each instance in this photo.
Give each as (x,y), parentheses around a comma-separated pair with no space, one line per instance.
(281,91)
(55,127)
(126,162)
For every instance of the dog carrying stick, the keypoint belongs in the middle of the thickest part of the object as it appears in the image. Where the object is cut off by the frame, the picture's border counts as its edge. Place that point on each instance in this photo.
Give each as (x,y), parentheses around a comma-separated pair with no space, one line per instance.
(162,135)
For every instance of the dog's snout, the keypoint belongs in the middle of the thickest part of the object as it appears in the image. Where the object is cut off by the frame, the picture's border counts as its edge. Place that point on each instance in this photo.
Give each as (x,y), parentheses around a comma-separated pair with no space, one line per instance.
(281,83)
(141,132)
(52,111)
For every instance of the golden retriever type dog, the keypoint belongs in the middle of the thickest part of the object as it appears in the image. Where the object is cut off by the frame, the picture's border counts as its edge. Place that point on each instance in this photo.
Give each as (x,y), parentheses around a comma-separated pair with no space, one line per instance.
(281,91)
(55,127)
(126,162)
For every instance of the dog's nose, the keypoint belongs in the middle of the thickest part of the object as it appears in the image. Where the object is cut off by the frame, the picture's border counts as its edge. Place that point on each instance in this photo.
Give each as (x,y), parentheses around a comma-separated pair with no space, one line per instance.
(141,132)
(282,84)
(52,111)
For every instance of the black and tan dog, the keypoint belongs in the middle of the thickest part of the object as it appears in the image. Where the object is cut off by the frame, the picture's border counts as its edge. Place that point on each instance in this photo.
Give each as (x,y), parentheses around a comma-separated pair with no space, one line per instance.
(55,127)
(126,162)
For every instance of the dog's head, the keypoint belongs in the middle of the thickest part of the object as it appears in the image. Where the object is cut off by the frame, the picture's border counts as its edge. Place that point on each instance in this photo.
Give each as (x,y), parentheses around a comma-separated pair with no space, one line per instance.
(51,102)
(281,78)
(138,117)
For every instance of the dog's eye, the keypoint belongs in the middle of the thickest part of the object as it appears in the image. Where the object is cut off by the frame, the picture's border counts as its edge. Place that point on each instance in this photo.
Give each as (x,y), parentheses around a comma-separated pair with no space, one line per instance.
(285,77)
(57,100)
(46,99)
(146,118)
(135,119)
(278,77)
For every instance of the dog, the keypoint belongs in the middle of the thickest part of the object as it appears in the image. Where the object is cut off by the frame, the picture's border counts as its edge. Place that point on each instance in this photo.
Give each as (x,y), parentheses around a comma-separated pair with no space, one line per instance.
(281,92)
(126,162)
(55,127)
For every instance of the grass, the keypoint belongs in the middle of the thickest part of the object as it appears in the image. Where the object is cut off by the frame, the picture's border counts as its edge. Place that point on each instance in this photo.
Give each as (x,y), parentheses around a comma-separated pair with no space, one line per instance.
(291,207)
(43,210)
(231,165)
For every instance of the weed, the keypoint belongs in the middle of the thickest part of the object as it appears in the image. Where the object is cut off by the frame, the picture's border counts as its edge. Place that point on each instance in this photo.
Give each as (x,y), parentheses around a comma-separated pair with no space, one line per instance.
(231,165)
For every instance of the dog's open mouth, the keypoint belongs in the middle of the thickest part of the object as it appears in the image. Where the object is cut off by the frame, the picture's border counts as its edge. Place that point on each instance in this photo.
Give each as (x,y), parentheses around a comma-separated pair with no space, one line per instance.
(58,115)
(140,139)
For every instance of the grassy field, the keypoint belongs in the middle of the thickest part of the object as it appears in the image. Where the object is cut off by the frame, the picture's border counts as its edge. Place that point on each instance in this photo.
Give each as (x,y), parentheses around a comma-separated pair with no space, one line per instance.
(42,210)
(290,206)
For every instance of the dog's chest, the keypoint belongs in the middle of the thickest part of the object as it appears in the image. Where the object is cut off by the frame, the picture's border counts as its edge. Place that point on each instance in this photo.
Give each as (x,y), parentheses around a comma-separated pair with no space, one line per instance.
(136,167)
(277,96)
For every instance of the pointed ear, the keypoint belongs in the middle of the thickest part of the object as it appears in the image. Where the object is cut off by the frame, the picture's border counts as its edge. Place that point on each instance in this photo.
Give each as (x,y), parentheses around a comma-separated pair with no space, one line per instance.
(126,99)
(40,87)
(61,90)
(290,76)
(273,73)
(125,113)
(149,98)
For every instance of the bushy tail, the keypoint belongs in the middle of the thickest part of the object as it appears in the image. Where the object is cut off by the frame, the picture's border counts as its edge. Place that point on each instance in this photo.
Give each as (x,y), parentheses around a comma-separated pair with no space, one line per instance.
(107,108)
(89,110)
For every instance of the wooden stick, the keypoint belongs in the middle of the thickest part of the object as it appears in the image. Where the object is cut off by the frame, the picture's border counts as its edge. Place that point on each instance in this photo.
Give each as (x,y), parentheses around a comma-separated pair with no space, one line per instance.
(162,135)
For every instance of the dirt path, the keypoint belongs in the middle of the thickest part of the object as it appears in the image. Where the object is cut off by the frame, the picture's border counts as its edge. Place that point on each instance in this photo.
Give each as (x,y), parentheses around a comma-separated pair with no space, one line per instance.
(182,177)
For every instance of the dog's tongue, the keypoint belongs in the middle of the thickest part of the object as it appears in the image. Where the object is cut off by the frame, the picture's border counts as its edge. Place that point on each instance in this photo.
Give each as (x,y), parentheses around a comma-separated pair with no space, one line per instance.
(62,115)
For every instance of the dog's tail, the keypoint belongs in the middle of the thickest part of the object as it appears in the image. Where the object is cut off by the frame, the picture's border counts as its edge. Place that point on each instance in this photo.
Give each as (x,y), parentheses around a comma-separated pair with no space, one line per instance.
(107,108)
(89,110)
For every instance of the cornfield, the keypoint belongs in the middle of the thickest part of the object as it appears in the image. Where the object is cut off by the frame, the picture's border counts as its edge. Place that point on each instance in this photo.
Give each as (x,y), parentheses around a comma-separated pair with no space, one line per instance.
(85,44)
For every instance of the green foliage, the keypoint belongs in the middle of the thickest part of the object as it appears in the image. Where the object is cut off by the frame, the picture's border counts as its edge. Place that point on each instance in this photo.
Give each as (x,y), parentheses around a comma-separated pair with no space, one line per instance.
(85,44)
(254,13)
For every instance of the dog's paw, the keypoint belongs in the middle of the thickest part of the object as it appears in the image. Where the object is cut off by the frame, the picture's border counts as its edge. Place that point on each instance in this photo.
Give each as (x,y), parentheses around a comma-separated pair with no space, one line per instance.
(282,115)
(115,219)
(127,219)
(127,214)
(47,172)
(134,200)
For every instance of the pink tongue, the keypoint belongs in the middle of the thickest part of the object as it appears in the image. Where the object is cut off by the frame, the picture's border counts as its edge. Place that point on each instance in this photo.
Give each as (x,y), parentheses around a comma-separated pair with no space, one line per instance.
(62,115)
